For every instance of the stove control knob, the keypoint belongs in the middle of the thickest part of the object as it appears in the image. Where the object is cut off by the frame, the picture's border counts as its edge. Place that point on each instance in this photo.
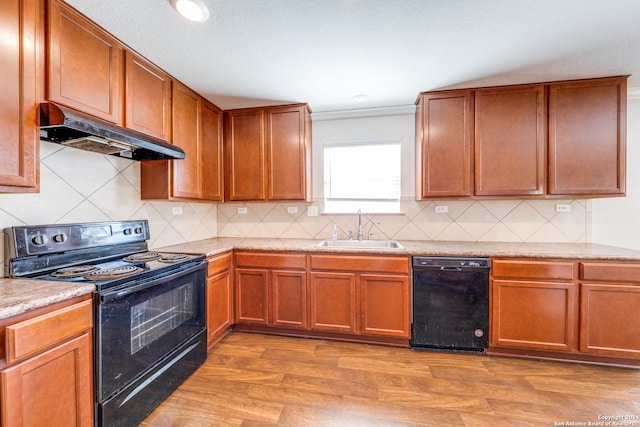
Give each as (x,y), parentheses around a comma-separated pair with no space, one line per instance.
(60,238)
(138,230)
(39,240)
(127,231)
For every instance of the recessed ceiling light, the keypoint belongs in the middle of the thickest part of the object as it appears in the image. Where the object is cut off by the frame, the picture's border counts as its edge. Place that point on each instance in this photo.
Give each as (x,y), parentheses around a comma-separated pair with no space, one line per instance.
(360,99)
(193,10)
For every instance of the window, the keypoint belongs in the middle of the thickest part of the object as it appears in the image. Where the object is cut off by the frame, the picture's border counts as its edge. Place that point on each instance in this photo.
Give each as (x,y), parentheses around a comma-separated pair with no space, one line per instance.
(362,175)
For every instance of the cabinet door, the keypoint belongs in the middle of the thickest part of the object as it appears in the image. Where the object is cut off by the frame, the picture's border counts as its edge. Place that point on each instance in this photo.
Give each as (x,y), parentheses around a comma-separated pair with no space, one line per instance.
(287,153)
(185,176)
(84,64)
(19,141)
(219,305)
(210,162)
(252,296)
(53,389)
(587,137)
(444,126)
(289,299)
(510,141)
(385,305)
(333,302)
(609,317)
(536,315)
(147,98)
(244,155)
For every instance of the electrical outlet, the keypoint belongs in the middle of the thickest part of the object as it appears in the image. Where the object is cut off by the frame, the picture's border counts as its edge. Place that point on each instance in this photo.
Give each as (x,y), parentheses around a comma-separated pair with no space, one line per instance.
(312,211)
(242,211)
(442,209)
(292,210)
(176,210)
(563,207)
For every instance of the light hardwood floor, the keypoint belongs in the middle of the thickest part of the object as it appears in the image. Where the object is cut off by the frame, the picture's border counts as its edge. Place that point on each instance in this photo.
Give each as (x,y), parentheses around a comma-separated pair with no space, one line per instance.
(261,380)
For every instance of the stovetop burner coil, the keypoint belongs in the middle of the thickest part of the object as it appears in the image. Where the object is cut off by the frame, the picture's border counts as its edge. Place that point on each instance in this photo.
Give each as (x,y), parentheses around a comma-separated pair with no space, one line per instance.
(76,271)
(142,257)
(172,257)
(113,273)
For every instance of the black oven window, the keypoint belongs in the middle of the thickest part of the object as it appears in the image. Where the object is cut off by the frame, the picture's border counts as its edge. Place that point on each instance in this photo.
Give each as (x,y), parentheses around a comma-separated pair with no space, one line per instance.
(155,317)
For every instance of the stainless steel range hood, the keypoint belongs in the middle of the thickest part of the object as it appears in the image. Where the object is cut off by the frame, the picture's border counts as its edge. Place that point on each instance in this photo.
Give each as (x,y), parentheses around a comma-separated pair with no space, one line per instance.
(65,126)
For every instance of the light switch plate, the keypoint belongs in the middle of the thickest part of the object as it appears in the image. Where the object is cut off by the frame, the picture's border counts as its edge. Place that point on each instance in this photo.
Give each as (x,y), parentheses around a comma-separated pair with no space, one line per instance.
(176,210)
(442,209)
(242,211)
(292,210)
(312,211)
(563,207)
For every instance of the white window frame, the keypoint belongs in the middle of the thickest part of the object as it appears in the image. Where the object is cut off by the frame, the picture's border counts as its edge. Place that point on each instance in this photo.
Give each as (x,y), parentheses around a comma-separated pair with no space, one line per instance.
(374,205)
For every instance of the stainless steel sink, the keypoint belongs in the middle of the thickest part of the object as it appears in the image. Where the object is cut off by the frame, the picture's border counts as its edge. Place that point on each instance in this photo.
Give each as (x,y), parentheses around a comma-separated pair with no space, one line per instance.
(360,244)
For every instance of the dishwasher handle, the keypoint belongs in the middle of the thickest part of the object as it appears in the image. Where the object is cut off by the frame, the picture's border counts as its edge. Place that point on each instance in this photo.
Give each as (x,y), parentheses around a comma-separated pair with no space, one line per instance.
(450,268)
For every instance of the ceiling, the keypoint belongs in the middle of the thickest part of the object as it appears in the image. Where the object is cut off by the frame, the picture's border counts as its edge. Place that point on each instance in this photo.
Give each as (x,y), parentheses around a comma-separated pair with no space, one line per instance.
(324,52)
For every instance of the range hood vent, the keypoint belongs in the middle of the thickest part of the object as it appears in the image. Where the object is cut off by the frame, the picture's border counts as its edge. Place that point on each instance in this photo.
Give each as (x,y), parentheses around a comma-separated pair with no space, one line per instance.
(65,126)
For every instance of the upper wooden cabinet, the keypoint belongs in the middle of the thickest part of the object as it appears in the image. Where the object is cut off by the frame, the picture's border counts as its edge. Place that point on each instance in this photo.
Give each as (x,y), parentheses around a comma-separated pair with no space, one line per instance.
(147,98)
(587,137)
(267,153)
(510,141)
(19,141)
(539,140)
(84,64)
(444,140)
(197,129)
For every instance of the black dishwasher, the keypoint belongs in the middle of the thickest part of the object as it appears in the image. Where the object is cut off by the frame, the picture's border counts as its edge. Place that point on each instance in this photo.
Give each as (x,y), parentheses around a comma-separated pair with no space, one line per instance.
(450,303)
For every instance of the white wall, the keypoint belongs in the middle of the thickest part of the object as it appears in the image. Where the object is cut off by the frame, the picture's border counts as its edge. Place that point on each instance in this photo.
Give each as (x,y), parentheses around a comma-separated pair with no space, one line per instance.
(616,221)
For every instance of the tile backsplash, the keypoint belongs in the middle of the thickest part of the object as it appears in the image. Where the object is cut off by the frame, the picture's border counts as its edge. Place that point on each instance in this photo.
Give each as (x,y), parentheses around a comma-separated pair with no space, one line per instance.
(504,220)
(80,186)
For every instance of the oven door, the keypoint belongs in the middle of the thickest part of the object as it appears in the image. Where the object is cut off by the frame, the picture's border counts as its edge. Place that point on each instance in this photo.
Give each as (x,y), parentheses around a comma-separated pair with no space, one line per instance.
(139,324)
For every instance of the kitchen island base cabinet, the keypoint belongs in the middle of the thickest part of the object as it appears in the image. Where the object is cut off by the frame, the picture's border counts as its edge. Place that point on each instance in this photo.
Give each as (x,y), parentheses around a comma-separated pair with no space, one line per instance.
(48,378)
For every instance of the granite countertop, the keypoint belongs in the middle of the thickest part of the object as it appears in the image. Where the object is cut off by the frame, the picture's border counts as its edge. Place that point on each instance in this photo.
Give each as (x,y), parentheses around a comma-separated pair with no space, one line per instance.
(417,247)
(18,296)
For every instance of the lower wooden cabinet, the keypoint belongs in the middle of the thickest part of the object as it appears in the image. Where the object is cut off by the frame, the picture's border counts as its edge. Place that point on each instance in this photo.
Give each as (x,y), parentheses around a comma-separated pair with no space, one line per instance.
(362,295)
(348,297)
(219,298)
(609,315)
(539,315)
(48,379)
(271,289)
(333,302)
(566,309)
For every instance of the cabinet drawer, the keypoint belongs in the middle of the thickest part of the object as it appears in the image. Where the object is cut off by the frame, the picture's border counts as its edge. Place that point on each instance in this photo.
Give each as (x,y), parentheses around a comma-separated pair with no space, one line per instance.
(373,264)
(30,336)
(218,264)
(270,260)
(533,269)
(609,272)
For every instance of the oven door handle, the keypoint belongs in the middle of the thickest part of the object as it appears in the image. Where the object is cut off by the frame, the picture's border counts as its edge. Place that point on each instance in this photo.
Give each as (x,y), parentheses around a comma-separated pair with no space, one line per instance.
(133,287)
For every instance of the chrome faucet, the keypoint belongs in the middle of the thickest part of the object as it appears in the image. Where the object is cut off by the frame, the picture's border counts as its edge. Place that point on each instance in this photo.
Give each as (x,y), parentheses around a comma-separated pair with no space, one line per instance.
(373,222)
(359,224)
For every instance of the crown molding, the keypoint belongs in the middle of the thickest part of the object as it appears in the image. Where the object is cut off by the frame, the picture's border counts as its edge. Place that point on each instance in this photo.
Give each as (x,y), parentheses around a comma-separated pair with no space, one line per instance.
(364,112)
(633,92)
